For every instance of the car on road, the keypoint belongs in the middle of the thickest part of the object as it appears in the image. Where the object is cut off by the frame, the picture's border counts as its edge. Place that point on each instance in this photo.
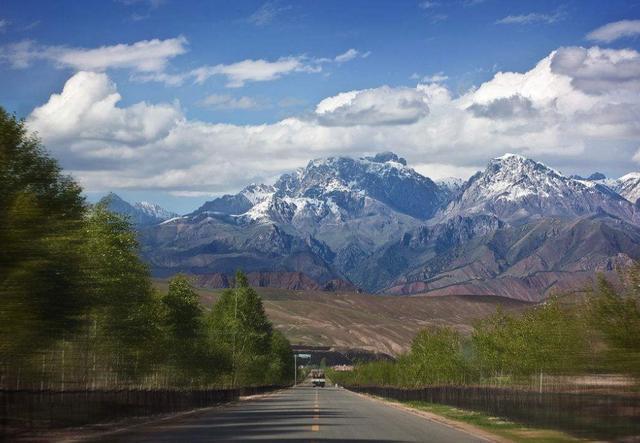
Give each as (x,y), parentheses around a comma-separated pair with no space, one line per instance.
(317,378)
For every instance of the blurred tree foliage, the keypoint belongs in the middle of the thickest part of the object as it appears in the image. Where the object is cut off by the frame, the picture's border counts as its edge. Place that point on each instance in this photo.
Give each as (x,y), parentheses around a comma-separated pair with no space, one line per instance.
(549,338)
(615,313)
(77,306)
(42,278)
(599,335)
(125,312)
(436,355)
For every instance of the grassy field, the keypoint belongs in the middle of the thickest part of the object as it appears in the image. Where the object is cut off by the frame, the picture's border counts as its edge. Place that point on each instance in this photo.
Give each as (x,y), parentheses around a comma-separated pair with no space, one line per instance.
(372,322)
(506,429)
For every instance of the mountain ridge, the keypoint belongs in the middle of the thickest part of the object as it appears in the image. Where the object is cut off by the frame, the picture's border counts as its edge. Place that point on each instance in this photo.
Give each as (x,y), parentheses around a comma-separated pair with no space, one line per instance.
(377,224)
(513,188)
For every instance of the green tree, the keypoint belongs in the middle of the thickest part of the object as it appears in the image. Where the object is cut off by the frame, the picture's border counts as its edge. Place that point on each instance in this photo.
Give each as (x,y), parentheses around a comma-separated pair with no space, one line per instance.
(184,316)
(190,353)
(556,339)
(238,322)
(436,356)
(126,311)
(42,286)
(491,344)
(615,313)
(281,365)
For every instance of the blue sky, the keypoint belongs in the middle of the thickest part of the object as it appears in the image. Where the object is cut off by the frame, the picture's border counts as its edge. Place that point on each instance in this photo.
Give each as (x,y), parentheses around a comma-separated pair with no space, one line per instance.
(322,49)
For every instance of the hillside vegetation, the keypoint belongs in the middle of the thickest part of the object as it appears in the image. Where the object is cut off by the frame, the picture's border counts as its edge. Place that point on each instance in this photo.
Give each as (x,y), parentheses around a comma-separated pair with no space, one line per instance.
(385,324)
(598,335)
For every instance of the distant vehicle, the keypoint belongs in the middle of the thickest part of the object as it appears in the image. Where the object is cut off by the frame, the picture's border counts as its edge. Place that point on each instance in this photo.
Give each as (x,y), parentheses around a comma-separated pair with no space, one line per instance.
(317,377)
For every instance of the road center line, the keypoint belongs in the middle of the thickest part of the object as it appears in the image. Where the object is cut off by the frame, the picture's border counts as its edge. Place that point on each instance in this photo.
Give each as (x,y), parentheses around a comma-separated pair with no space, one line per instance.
(315,427)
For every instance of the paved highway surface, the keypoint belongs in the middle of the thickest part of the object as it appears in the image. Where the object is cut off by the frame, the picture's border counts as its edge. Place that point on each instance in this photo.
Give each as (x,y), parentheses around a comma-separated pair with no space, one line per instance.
(303,414)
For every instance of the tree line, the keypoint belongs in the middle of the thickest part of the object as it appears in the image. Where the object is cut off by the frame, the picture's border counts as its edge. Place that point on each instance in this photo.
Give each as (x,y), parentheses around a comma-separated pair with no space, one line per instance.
(597,334)
(77,305)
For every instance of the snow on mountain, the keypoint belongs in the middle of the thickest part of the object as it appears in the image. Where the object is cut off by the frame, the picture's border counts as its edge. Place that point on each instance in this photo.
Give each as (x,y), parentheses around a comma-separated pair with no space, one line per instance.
(596,177)
(348,206)
(451,185)
(258,193)
(337,189)
(345,181)
(270,209)
(154,210)
(628,186)
(240,203)
(139,213)
(514,229)
(294,210)
(332,190)
(516,188)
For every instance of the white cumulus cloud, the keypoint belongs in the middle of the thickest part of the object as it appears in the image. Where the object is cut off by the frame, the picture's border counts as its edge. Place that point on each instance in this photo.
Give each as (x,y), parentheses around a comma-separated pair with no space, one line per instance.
(597,70)
(85,113)
(577,107)
(379,106)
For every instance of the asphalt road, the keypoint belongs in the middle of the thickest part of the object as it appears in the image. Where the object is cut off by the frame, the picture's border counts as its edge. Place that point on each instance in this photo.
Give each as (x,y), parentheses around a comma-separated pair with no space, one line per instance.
(303,414)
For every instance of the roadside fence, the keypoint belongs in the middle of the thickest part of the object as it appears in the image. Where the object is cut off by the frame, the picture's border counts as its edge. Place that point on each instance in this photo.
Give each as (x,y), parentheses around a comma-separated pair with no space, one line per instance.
(22,410)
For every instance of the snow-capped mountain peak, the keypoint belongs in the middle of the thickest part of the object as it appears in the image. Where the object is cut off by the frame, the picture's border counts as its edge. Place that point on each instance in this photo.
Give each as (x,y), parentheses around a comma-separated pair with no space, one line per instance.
(513,177)
(519,164)
(628,186)
(140,213)
(258,193)
(630,176)
(511,156)
(345,181)
(513,187)
(453,184)
(373,221)
(154,210)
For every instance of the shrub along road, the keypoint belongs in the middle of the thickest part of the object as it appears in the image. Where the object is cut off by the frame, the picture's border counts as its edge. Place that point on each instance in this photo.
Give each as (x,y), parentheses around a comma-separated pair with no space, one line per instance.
(301,414)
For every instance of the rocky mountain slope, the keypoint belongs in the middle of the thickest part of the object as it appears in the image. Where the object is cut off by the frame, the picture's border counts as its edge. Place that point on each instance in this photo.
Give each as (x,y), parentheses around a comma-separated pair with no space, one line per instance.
(518,229)
(482,255)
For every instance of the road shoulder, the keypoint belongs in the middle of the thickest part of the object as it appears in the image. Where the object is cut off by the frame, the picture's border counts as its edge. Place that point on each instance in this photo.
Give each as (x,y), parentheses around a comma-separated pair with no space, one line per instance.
(457,425)
(499,430)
